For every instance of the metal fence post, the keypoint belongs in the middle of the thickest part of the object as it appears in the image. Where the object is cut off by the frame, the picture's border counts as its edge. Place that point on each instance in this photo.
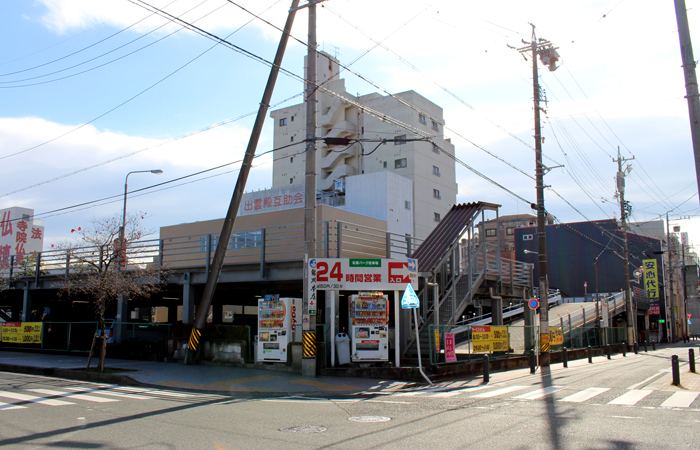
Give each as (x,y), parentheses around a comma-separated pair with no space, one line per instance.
(590,355)
(532,361)
(691,359)
(38,270)
(564,356)
(339,238)
(486,368)
(327,229)
(262,253)
(675,370)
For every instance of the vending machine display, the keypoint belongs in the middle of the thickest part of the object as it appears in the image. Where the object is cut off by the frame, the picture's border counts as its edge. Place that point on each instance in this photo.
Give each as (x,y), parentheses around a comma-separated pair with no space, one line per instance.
(276,319)
(369,327)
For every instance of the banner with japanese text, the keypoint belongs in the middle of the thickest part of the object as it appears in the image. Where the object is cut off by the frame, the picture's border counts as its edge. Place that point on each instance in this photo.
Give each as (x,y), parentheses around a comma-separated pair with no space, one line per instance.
(489,339)
(21,332)
(651,278)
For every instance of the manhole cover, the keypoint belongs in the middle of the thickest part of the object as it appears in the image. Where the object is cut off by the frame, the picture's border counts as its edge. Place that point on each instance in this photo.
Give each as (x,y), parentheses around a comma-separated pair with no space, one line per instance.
(306,429)
(369,419)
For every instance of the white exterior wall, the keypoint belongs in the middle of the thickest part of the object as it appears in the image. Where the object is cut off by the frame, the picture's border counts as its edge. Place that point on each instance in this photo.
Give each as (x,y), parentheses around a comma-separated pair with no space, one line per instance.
(340,119)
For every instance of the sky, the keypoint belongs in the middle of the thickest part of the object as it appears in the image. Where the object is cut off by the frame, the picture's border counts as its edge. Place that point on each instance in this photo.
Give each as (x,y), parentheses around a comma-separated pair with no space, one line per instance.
(92,90)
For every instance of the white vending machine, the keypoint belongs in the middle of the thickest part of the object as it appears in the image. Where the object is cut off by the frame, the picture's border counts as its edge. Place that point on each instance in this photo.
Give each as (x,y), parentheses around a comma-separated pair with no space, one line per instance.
(276,320)
(369,327)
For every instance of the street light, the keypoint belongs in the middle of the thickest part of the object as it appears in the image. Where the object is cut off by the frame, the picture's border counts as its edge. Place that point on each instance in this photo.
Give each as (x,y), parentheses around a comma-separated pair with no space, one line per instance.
(122,237)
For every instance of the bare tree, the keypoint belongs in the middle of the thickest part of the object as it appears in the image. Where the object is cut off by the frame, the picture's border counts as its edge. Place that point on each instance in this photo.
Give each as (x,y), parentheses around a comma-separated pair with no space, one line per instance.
(102,267)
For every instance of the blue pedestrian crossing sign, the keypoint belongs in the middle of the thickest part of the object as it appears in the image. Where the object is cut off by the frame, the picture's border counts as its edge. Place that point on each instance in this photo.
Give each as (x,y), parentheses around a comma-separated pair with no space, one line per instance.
(409,299)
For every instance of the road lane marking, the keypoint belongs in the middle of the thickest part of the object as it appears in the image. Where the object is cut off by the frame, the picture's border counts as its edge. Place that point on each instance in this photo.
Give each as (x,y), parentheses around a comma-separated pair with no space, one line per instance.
(505,390)
(539,393)
(635,386)
(108,392)
(31,398)
(4,406)
(681,399)
(584,395)
(630,398)
(89,398)
(626,417)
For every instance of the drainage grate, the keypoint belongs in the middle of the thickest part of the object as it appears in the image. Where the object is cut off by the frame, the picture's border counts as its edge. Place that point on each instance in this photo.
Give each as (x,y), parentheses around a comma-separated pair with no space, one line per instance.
(369,419)
(305,429)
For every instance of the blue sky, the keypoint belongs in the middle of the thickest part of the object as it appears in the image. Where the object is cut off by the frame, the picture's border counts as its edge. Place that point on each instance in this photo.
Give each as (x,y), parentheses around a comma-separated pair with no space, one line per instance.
(620,83)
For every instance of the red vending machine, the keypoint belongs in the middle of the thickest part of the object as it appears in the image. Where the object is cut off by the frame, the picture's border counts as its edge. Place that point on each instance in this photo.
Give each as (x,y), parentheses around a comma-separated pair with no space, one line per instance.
(369,327)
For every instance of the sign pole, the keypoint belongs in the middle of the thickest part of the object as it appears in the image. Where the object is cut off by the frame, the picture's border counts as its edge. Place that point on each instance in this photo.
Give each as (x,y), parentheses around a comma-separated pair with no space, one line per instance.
(420,365)
(397,328)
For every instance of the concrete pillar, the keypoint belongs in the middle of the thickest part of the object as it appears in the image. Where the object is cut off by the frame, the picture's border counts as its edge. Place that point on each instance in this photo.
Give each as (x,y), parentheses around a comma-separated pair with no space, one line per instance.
(27,304)
(187,300)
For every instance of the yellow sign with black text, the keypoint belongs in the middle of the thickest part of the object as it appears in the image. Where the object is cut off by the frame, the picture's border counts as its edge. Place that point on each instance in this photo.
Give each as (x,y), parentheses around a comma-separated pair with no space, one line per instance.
(489,339)
(556,336)
(21,332)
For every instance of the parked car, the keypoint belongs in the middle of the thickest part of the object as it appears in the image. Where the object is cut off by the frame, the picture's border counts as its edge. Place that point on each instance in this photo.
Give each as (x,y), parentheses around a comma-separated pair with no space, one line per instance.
(109,331)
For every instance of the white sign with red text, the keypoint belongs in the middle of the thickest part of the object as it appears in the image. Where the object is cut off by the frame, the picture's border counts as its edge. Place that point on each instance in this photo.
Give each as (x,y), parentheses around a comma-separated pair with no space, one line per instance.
(361,274)
(20,236)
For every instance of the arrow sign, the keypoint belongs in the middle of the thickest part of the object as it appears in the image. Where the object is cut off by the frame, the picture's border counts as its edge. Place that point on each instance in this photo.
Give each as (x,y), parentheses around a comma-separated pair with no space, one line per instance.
(409,299)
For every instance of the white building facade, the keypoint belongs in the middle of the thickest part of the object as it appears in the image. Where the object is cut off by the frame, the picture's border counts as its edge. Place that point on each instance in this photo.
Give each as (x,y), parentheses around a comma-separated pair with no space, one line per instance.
(427,163)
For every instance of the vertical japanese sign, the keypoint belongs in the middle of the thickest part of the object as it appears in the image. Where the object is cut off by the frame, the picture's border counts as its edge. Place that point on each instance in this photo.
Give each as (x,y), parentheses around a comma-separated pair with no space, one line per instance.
(651,278)
(437,340)
(450,354)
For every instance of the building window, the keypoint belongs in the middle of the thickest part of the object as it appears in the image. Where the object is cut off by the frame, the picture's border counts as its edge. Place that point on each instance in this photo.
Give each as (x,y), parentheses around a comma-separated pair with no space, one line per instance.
(436,149)
(436,171)
(250,239)
(203,243)
(436,194)
(291,138)
(400,163)
(527,237)
(407,205)
(291,159)
(435,126)
(510,231)
(400,140)
(436,217)
(384,164)
(291,181)
(283,121)
(422,119)
(291,119)
(491,232)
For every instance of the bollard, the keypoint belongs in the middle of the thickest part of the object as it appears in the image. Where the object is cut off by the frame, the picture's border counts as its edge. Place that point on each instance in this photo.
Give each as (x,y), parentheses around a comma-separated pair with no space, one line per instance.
(590,355)
(532,361)
(565,358)
(653,345)
(608,351)
(675,370)
(636,348)
(486,368)
(645,347)
(624,349)
(691,359)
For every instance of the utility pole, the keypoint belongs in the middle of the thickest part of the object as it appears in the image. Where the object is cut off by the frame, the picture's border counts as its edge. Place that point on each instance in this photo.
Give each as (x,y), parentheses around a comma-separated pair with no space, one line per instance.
(691,81)
(308,363)
(669,268)
(226,230)
(549,56)
(624,209)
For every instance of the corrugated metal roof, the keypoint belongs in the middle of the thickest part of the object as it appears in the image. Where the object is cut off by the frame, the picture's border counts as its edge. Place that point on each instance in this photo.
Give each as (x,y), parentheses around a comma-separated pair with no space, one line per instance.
(444,235)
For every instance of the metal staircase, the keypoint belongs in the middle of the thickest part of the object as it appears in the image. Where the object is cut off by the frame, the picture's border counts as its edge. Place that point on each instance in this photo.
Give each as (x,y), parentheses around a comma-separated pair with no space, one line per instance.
(455,267)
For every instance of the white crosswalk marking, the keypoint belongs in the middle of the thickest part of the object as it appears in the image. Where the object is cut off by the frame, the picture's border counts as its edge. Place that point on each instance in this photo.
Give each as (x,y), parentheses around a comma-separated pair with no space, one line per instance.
(631,398)
(4,406)
(539,393)
(107,392)
(681,399)
(497,392)
(89,398)
(136,390)
(30,398)
(584,395)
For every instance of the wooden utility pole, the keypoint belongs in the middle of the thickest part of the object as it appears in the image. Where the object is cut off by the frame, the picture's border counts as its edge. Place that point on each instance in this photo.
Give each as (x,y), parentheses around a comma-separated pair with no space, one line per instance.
(549,57)
(631,312)
(227,229)
(308,363)
(691,82)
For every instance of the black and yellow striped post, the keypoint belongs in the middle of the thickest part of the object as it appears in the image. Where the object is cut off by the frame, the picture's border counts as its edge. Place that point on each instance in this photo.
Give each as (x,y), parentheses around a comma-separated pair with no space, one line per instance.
(309,344)
(193,345)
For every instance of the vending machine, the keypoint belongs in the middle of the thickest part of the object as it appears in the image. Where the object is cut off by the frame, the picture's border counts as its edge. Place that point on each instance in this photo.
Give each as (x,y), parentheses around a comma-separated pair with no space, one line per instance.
(276,320)
(369,327)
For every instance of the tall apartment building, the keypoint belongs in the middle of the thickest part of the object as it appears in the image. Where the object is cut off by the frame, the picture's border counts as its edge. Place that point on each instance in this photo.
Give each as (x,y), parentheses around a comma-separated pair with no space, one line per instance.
(428,164)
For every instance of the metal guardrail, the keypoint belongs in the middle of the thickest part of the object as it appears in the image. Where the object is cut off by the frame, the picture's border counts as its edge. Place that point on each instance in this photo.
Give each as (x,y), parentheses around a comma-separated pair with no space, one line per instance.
(251,246)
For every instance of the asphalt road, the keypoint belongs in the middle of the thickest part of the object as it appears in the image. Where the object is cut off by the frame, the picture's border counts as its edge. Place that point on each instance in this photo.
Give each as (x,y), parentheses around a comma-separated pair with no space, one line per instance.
(626,403)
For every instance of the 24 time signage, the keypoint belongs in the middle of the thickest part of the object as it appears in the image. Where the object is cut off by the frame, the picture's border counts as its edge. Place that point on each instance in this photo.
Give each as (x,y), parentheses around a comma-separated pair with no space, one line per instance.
(362,274)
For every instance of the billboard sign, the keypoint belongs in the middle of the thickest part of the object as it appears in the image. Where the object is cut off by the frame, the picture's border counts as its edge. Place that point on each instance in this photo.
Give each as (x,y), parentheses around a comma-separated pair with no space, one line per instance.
(361,274)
